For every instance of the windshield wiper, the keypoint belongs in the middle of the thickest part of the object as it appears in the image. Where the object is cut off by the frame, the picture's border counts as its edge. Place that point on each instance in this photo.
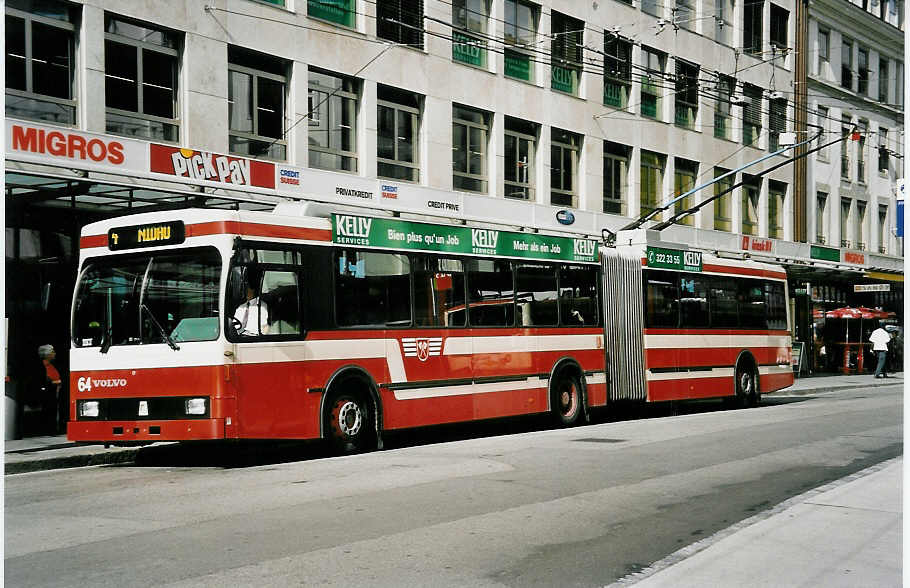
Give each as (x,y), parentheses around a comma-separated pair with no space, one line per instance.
(164,334)
(107,335)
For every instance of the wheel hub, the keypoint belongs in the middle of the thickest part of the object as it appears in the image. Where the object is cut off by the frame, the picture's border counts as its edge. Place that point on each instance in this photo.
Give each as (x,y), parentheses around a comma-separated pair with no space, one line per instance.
(350,418)
(567,400)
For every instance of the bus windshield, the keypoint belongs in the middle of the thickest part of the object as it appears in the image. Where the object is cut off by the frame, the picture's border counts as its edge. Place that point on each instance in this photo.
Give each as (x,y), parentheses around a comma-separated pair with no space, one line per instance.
(155,297)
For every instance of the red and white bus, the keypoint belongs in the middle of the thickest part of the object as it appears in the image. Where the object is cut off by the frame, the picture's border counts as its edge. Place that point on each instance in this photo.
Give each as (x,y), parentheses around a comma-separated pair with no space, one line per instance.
(208,324)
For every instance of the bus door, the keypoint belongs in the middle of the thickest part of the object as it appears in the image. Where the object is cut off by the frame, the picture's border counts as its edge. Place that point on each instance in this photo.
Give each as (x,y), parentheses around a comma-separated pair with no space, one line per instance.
(265,325)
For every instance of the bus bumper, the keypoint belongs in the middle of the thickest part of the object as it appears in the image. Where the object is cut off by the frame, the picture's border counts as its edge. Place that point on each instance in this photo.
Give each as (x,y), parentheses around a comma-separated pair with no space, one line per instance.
(145,431)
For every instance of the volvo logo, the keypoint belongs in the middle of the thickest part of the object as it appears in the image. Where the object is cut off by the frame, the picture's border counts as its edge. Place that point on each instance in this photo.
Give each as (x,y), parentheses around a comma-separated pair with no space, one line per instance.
(565,217)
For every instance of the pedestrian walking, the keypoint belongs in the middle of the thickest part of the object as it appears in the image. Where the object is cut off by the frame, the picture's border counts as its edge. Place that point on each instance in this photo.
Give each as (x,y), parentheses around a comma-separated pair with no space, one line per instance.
(880,339)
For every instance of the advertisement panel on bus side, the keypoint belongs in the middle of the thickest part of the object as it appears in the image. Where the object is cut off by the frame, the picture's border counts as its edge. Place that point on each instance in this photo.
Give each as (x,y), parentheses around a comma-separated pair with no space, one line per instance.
(399,234)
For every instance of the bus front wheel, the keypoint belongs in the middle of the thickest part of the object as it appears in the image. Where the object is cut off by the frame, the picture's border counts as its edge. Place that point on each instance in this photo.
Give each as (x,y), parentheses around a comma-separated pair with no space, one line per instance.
(566,400)
(349,423)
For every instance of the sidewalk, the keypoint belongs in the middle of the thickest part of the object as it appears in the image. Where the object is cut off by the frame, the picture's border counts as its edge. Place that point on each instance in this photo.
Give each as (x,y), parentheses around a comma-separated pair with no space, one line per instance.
(844,534)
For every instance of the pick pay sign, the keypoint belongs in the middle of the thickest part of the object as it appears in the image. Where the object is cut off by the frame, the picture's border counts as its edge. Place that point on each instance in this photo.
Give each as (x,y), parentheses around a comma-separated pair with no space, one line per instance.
(211,167)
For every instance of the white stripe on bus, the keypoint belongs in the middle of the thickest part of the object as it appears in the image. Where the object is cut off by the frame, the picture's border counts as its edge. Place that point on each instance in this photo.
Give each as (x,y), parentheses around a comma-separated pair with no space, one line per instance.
(714,341)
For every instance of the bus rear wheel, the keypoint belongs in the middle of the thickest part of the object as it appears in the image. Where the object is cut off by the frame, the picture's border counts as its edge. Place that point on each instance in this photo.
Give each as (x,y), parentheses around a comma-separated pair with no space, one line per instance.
(566,400)
(349,423)
(746,386)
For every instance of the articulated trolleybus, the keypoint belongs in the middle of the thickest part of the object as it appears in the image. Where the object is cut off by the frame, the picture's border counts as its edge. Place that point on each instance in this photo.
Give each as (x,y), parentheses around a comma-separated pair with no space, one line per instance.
(209,324)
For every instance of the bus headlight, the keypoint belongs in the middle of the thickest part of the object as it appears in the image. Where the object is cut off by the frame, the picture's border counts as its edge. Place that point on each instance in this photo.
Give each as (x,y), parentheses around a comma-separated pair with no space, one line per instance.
(194,406)
(88,409)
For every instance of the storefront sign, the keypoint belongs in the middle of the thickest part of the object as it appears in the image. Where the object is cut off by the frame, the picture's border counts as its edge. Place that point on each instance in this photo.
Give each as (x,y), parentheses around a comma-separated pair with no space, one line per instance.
(756,244)
(45,144)
(854,257)
(398,234)
(871,287)
(203,166)
(659,257)
(824,253)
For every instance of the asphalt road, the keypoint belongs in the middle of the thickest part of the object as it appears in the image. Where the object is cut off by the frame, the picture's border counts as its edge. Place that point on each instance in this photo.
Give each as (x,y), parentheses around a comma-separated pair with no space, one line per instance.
(538,507)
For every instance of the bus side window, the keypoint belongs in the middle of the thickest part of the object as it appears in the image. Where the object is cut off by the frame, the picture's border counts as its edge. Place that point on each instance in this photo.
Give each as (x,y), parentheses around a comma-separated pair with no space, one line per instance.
(752,310)
(776,303)
(536,293)
(578,295)
(661,299)
(723,303)
(280,293)
(491,293)
(693,301)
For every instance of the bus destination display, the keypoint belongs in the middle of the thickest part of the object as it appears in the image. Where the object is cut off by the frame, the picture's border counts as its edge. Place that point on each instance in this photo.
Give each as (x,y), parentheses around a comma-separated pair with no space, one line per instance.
(149,235)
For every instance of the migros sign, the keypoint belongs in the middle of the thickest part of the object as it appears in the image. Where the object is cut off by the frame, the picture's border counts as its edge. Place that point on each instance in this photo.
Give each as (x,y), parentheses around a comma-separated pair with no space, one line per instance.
(40,143)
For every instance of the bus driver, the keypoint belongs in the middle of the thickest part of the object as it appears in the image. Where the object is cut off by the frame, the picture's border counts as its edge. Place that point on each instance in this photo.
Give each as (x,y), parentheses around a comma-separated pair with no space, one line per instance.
(252,317)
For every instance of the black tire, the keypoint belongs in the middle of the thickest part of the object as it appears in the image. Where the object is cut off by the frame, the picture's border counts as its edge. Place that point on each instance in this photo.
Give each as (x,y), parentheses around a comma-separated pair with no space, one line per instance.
(746,382)
(350,423)
(566,400)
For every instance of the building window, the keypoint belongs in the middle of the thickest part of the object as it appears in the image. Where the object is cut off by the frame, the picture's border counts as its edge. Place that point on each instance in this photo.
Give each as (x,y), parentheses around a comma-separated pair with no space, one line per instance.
(722,118)
(617,71)
(39,61)
(565,50)
(883,152)
(780,19)
(686,95)
(469,43)
(751,191)
(257,87)
(777,122)
(520,149)
(684,14)
(846,64)
(564,150)
(824,50)
(899,84)
(651,181)
(776,194)
(616,177)
(140,80)
(821,226)
(653,62)
(752,115)
(470,133)
(333,121)
(862,72)
(845,204)
(882,229)
(752,27)
(723,209)
(821,113)
(861,152)
(846,127)
(520,32)
(882,80)
(341,12)
(860,229)
(400,21)
(684,174)
(723,21)
(652,7)
(398,123)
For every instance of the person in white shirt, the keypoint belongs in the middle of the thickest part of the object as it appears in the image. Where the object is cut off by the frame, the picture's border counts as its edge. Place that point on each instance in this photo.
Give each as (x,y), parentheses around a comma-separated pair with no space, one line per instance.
(252,315)
(880,339)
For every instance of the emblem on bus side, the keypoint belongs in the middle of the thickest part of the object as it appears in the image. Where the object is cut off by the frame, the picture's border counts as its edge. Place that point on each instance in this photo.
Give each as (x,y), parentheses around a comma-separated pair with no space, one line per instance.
(422,347)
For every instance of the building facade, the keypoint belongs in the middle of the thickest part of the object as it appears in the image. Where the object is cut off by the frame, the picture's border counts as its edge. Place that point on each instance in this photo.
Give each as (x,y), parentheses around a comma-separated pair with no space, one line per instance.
(514,112)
